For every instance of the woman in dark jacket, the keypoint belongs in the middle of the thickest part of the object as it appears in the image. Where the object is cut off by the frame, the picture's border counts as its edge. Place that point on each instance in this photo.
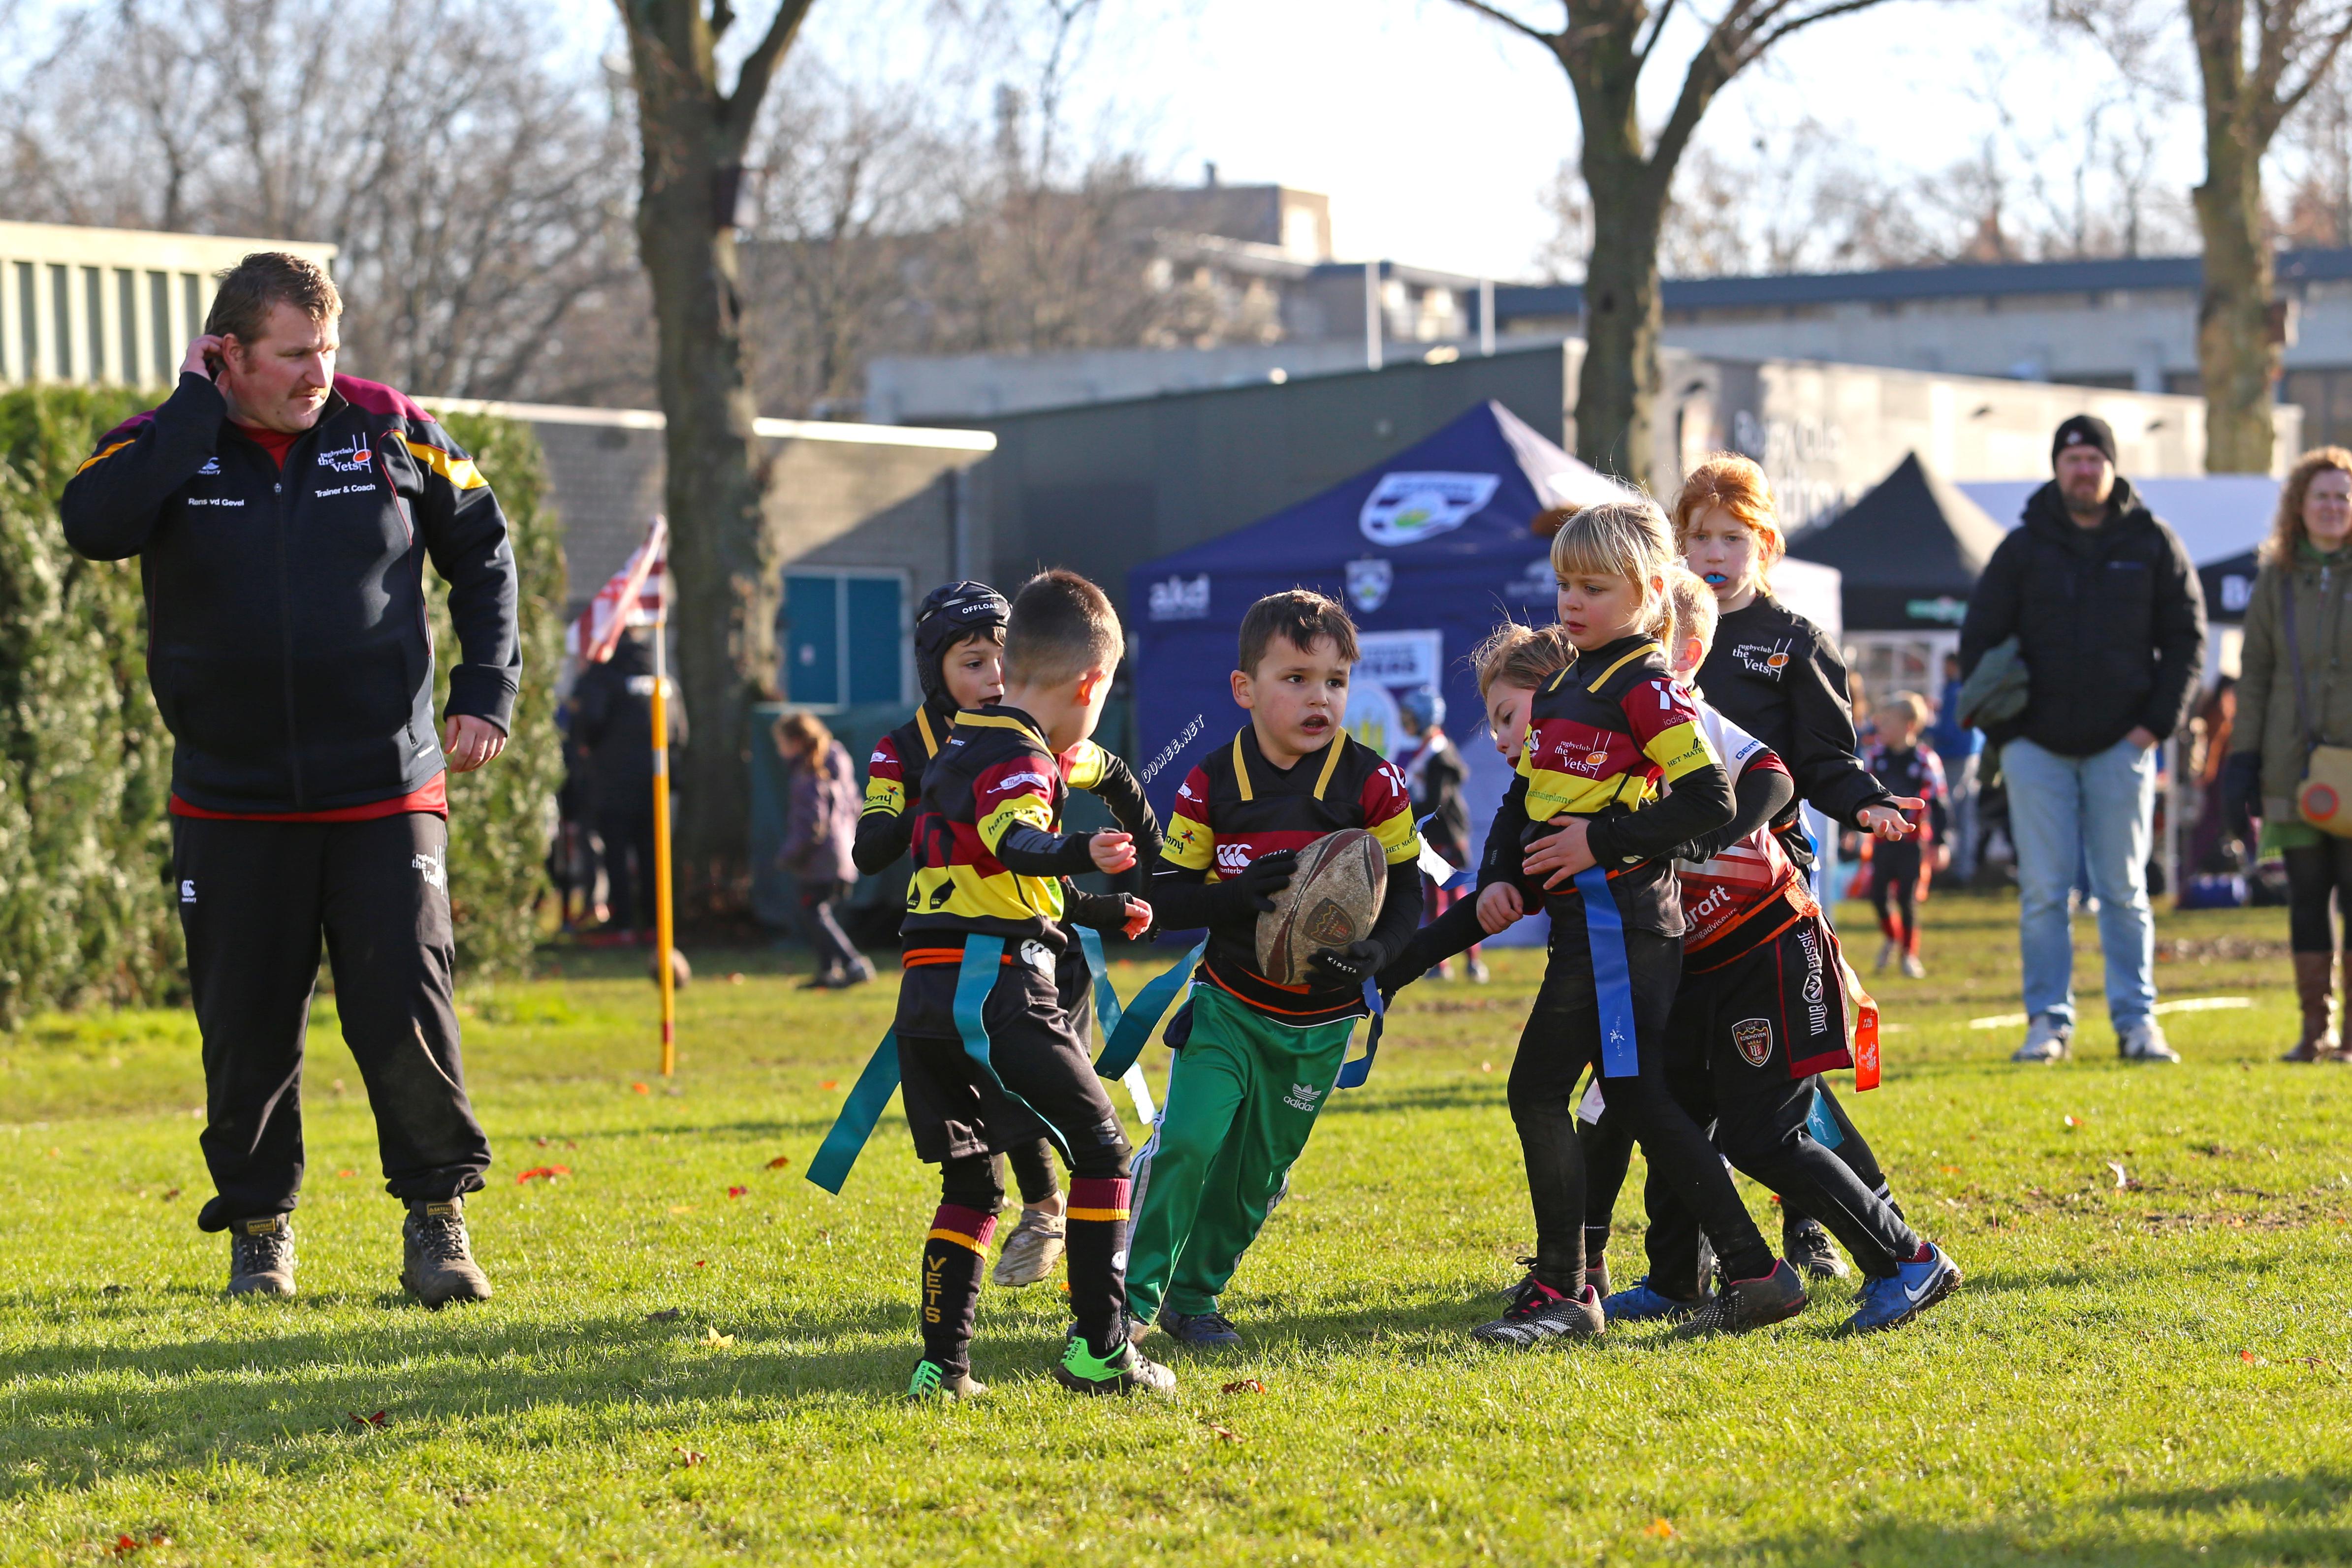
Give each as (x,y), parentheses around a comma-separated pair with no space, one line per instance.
(2298,635)
(820,828)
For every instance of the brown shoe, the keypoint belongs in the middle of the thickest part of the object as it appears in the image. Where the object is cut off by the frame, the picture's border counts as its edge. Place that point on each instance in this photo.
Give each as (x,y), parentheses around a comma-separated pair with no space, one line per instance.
(2314,988)
(261,1257)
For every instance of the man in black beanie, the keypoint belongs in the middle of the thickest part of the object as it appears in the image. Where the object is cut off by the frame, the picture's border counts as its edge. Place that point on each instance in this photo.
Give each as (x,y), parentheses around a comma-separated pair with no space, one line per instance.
(2108,616)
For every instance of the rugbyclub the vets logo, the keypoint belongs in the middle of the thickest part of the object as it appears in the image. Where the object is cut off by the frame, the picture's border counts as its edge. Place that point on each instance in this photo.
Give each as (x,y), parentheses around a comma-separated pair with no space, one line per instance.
(1407,508)
(352,458)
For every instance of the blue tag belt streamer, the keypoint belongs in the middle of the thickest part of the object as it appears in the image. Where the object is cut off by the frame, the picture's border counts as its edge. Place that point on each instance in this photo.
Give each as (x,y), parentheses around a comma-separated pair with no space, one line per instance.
(1353,1073)
(1613,979)
(1822,1125)
(1127,1030)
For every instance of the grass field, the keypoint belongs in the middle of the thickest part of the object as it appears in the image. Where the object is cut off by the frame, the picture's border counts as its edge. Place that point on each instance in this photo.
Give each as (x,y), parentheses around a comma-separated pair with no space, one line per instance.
(673,1371)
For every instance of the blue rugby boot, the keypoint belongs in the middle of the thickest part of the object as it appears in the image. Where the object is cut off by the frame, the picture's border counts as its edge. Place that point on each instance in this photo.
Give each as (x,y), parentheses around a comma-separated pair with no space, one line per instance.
(1903,1295)
(1210,1330)
(1640,1304)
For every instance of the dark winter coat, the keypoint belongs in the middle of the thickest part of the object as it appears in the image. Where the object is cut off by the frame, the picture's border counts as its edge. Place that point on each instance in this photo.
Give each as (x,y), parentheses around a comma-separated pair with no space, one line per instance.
(2110,622)
(286,643)
(821,818)
(614,722)
(1779,676)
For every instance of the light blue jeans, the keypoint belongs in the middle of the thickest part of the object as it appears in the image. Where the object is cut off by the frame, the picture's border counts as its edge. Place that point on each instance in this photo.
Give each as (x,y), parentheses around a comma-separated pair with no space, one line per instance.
(2068,815)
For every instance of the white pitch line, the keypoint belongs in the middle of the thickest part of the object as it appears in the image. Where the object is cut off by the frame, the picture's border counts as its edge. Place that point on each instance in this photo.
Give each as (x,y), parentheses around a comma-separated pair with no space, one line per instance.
(2185,1005)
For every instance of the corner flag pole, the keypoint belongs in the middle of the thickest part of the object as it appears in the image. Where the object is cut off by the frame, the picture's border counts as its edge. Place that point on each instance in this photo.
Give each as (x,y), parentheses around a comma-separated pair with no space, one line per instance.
(665,929)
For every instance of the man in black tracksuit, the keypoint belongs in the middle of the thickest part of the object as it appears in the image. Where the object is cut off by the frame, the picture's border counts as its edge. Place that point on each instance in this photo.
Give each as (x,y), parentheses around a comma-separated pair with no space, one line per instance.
(282,515)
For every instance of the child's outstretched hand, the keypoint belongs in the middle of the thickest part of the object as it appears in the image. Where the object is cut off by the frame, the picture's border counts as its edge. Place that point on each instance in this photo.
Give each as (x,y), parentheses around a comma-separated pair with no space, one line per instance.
(1111,850)
(1889,821)
(1561,854)
(1498,907)
(1139,917)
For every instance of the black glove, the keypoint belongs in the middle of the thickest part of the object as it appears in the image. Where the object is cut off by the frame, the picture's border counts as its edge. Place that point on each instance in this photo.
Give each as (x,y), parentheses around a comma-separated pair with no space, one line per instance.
(1350,964)
(1105,911)
(1263,877)
(2241,791)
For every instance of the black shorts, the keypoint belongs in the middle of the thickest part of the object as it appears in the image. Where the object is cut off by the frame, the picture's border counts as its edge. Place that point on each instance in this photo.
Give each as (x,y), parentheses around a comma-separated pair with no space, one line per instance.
(1049,1089)
(1776,1011)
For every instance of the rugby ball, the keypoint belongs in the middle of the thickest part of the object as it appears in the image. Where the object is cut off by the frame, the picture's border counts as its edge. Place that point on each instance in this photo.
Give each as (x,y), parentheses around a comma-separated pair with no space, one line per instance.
(1332,900)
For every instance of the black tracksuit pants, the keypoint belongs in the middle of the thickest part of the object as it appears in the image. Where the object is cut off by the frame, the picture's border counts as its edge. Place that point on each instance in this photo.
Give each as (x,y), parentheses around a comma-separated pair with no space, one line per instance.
(1562,1037)
(255,900)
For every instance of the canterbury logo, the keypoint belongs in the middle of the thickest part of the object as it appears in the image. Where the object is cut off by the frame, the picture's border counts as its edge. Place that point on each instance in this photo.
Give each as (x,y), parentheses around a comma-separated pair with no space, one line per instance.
(1233,857)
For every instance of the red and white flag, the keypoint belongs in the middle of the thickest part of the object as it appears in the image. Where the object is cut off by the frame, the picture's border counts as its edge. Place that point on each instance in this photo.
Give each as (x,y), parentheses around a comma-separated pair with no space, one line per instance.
(634,597)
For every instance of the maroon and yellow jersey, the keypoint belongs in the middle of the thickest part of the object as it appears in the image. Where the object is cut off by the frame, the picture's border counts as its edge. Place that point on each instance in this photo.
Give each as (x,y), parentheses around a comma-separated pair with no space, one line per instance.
(994,773)
(1237,806)
(894,773)
(1612,738)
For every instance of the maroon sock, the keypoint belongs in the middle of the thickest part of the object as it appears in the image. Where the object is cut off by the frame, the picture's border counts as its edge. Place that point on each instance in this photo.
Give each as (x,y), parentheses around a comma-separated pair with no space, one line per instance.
(1094,1243)
(953,1255)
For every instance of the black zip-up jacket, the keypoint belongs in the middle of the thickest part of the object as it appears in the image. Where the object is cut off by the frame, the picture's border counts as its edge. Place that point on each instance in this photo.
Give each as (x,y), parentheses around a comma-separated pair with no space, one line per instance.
(2110,620)
(286,633)
(1778,677)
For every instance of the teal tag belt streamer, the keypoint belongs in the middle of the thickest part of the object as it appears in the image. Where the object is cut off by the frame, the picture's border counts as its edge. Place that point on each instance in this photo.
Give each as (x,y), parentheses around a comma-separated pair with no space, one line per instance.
(1126,1032)
(1822,1125)
(1107,1004)
(867,1098)
(974,981)
(1353,1073)
(1612,978)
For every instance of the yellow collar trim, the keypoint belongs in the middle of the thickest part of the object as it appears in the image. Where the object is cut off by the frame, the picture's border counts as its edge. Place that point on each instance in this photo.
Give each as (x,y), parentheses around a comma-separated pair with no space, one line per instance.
(1330,765)
(1001,721)
(1643,650)
(1241,769)
(931,741)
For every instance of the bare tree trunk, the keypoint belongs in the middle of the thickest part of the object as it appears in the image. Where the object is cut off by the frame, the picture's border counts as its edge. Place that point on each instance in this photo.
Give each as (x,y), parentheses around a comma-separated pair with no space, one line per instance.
(1617,386)
(2239,351)
(2236,355)
(724,559)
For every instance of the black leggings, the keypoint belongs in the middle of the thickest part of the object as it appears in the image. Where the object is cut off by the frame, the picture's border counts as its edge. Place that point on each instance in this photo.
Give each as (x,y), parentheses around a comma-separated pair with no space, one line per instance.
(1562,1038)
(1895,892)
(1033,1171)
(2314,876)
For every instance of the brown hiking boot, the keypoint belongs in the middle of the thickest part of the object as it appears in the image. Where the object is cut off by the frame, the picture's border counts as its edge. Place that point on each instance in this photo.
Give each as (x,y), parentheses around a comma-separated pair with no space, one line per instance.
(2314,988)
(261,1256)
(437,1263)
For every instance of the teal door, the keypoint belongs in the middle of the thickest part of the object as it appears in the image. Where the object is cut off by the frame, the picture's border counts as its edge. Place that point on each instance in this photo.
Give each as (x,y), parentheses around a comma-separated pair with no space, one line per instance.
(813,640)
(872,640)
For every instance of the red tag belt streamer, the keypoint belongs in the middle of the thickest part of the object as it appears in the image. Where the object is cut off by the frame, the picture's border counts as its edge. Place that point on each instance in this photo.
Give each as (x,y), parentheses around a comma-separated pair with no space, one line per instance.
(1865,1017)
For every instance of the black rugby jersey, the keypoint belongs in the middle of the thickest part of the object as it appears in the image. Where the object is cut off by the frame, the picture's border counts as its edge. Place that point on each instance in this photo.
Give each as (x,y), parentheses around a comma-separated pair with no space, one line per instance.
(1237,806)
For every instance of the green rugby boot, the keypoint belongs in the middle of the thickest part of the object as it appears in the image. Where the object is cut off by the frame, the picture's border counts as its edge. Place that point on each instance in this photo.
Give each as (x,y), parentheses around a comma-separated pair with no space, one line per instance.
(261,1256)
(1124,1371)
(437,1260)
(935,1384)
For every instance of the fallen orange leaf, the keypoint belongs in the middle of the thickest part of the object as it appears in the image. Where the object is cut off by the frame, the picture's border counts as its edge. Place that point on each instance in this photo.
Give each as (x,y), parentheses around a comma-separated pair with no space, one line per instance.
(1659,1528)
(1245,1386)
(347,1171)
(545,1172)
(780,1162)
(640,1087)
(737,1191)
(828,1083)
(702,1263)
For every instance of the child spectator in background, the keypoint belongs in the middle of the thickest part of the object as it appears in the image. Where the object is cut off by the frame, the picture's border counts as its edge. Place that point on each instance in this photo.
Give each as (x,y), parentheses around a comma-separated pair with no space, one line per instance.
(1896,868)
(1433,770)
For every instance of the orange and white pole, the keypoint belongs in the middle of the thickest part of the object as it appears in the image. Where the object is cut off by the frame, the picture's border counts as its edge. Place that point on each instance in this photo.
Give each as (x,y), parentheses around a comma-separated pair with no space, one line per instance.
(664,931)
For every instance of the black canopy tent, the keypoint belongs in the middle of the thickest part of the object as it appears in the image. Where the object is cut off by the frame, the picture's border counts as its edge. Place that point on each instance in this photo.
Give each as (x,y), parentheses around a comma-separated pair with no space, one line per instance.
(1911,549)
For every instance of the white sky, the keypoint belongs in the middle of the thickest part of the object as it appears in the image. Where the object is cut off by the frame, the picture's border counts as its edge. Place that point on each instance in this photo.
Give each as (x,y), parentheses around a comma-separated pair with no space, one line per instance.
(1435,131)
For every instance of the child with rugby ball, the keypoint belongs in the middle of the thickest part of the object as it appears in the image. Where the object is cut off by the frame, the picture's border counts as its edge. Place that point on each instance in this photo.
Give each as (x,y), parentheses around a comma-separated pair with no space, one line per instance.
(1261,1058)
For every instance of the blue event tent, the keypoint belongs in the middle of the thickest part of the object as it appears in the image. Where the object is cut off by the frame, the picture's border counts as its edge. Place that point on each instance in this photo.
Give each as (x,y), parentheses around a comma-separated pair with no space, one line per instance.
(1429,550)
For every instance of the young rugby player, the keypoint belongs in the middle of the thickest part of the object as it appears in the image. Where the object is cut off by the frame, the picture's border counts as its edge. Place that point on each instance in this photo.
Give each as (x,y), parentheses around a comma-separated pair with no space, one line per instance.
(1614,760)
(1781,678)
(987,899)
(1895,869)
(1762,1013)
(960,662)
(1261,1058)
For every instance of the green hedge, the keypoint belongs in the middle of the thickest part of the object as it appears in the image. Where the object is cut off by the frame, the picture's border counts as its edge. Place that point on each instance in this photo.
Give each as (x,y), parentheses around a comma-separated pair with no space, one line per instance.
(86,915)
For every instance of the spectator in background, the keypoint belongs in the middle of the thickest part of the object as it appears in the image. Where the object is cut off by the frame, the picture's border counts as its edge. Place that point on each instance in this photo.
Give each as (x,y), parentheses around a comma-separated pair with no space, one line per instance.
(820,827)
(2109,623)
(1957,746)
(1898,869)
(2292,697)
(614,726)
(1434,771)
